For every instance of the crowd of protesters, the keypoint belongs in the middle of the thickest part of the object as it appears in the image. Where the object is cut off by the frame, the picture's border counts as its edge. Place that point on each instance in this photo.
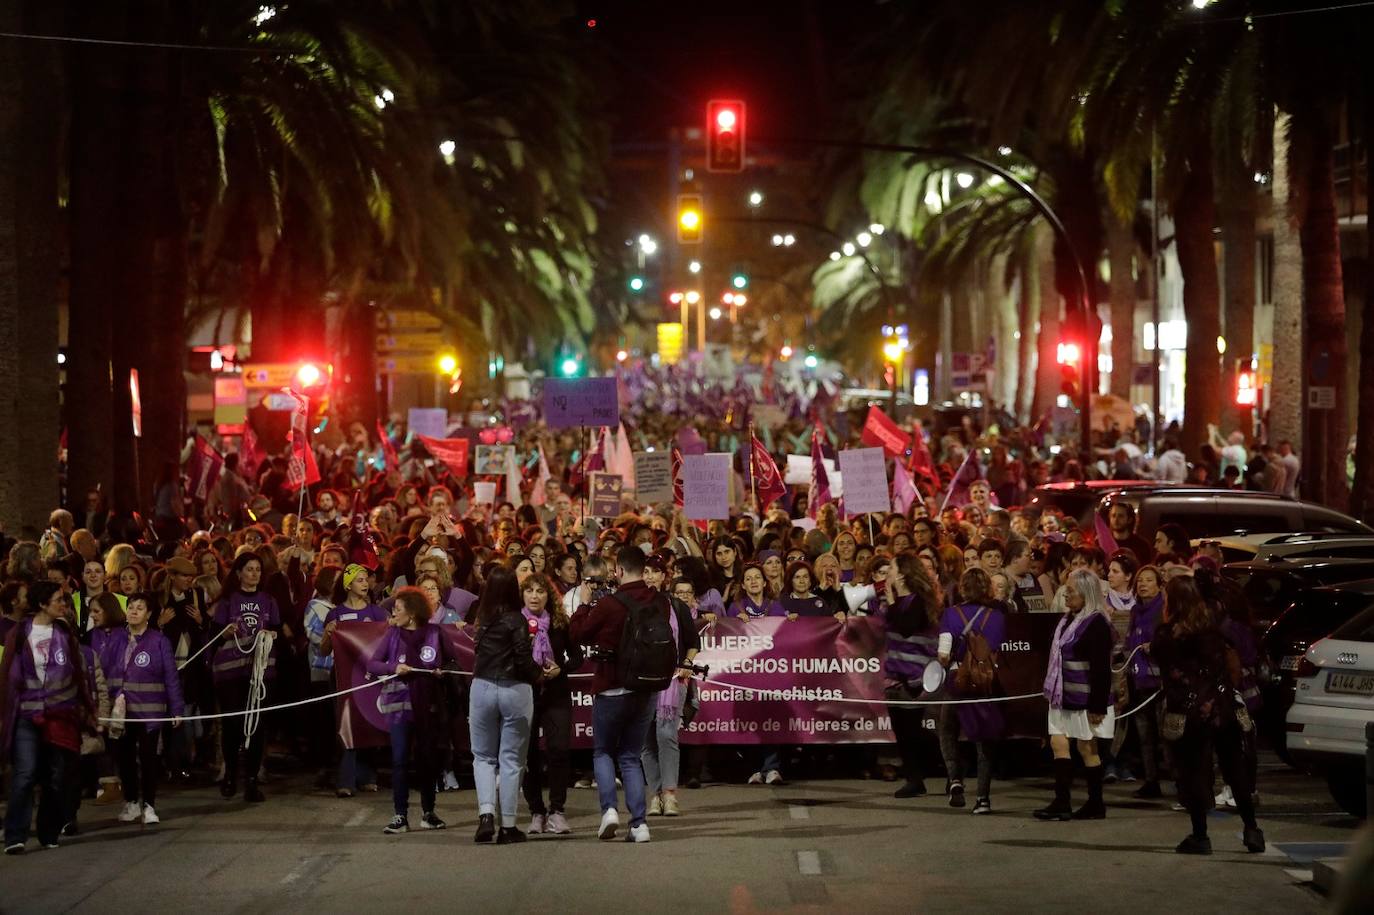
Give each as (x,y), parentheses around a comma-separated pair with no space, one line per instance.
(116,631)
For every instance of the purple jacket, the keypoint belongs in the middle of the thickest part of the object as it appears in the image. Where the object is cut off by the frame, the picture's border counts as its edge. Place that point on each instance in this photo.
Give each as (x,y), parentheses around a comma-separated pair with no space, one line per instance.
(977,721)
(151,687)
(768,607)
(346,614)
(394,701)
(1242,639)
(108,645)
(27,696)
(1145,618)
(907,655)
(251,613)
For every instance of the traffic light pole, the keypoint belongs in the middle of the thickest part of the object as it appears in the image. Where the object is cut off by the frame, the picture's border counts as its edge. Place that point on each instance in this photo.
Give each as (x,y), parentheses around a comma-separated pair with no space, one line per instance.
(1084,305)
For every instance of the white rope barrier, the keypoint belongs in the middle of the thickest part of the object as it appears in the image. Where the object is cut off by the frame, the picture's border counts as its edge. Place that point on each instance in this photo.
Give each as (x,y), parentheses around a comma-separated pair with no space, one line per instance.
(261,711)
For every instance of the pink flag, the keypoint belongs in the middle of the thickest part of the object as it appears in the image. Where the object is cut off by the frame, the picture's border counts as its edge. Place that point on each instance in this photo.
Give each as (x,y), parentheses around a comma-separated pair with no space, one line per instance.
(921,461)
(513,477)
(624,459)
(903,488)
(1105,541)
(391,459)
(539,494)
(820,480)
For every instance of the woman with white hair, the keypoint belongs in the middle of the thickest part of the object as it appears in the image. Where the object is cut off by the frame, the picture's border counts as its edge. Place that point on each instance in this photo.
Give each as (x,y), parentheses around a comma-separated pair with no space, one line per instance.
(1078,684)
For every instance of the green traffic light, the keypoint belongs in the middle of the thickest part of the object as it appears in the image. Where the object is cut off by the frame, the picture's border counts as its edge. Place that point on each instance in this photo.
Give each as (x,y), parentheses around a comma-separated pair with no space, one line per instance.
(739,281)
(636,284)
(569,367)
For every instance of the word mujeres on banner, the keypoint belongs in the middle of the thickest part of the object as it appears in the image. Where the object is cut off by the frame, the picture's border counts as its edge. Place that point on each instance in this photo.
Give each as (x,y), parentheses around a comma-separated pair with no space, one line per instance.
(772,681)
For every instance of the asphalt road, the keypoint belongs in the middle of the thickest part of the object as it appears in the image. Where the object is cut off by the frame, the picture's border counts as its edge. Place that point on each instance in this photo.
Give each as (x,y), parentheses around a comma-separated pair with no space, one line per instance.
(817,846)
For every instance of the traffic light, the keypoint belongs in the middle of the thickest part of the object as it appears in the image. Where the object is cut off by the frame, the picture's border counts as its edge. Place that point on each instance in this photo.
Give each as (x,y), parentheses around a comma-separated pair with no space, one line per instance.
(689,218)
(725,135)
(570,367)
(740,280)
(636,284)
(1247,384)
(308,375)
(448,364)
(1068,355)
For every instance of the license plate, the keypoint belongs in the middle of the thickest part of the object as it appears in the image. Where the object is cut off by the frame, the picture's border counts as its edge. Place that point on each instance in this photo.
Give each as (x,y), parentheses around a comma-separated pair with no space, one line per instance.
(1290,662)
(1352,684)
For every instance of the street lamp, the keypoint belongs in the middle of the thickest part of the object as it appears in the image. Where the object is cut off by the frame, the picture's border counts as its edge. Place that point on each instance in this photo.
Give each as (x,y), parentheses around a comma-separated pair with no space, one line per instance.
(448,363)
(756,198)
(647,245)
(694,267)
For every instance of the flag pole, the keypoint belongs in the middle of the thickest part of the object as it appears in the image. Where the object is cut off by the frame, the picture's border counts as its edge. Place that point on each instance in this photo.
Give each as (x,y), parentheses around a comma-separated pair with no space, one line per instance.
(754,477)
(955,479)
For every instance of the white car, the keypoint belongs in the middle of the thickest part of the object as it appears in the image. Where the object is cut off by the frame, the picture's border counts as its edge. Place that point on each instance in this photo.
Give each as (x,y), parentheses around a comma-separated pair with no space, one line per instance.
(1278,547)
(1335,700)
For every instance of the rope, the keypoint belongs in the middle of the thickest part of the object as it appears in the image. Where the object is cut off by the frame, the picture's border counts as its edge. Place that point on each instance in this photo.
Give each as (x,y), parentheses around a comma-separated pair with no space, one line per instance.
(203,648)
(902,703)
(271,708)
(1127,663)
(1152,698)
(257,681)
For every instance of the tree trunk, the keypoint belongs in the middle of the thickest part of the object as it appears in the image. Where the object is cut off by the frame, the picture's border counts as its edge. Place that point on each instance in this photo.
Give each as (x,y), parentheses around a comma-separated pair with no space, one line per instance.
(1286,389)
(1194,212)
(1324,477)
(1237,198)
(1121,251)
(1027,315)
(28,272)
(1047,294)
(1004,371)
(1362,493)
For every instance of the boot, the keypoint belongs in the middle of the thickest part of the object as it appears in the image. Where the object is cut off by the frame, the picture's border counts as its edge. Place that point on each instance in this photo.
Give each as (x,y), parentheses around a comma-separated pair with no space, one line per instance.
(230,785)
(251,793)
(1094,809)
(1060,808)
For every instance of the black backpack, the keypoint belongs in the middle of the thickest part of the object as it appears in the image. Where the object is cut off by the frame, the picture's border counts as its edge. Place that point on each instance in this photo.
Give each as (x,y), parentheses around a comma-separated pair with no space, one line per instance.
(647,658)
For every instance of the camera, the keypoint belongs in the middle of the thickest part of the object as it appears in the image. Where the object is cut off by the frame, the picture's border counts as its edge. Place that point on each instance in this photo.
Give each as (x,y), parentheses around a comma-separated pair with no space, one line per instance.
(600,587)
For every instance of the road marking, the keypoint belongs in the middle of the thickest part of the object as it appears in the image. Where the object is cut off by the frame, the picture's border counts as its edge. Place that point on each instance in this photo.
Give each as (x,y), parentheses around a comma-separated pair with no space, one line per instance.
(799,812)
(358,818)
(809,863)
(296,872)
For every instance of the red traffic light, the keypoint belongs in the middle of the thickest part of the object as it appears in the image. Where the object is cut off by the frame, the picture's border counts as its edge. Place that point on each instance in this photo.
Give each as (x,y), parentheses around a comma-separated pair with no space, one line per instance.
(308,375)
(1247,388)
(725,135)
(1067,354)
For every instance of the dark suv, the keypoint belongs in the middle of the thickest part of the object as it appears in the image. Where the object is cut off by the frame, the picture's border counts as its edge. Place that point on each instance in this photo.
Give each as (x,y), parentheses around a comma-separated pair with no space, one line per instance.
(1208,512)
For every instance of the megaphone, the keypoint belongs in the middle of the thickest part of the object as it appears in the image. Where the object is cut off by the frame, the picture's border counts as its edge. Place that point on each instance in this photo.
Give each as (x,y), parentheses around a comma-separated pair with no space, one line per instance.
(933,677)
(856,596)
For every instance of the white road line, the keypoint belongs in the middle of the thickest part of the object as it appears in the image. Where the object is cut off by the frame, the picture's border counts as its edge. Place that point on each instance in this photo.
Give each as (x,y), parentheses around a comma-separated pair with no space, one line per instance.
(358,818)
(296,872)
(799,812)
(809,863)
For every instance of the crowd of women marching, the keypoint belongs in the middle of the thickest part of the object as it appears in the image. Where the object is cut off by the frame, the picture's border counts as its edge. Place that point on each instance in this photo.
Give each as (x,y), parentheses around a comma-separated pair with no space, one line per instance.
(115,652)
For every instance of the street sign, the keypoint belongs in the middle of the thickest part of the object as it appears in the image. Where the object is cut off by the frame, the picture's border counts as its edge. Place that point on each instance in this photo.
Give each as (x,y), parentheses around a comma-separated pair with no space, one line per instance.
(422,341)
(280,402)
(231,400)
(268,374)
(1321,397)
(402,365)
(408,320)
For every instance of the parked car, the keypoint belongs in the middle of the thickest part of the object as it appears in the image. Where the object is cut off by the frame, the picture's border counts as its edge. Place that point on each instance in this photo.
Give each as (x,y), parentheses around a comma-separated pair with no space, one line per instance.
(1079,499)
(1245,547)
(1290,618)
(1205,512)
(1335,700)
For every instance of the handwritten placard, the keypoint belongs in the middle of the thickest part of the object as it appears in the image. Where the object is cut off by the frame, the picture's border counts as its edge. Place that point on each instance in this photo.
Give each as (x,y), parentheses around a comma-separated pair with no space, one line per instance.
(865,481)
(706,486)
(798,472)
(606,490)
(484,492)
(580,402)
(653,476)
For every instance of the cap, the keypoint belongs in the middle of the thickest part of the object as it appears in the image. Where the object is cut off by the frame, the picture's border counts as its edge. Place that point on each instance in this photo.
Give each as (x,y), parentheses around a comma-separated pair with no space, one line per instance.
(180,565)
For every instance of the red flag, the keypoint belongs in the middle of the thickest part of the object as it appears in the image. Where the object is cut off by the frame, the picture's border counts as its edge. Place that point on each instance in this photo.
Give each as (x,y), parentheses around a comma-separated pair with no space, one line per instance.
(362,549)
(767,481)
(451,452)
(302,471)
(250,454)
(391,460)
(203,468)
(881,432)
(678,497)
(921,461)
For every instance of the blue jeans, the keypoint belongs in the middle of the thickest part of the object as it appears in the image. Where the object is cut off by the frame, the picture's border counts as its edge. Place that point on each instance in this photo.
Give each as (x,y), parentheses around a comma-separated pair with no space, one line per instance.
(355,771)
(499,714)
(619,726)
(35,763)
(401,733)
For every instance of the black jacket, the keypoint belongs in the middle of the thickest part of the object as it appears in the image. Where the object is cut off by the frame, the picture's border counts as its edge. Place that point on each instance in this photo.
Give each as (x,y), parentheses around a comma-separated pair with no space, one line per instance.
(503,650)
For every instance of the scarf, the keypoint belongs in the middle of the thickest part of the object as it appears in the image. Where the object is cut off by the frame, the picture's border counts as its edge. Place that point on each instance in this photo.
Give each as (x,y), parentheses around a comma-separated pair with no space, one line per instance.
(751,609)
(1054,677)
(543,648)
(669,705)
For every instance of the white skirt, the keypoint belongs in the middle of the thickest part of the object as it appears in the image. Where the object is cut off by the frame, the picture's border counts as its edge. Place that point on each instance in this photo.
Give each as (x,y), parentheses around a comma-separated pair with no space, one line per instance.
(1074,724)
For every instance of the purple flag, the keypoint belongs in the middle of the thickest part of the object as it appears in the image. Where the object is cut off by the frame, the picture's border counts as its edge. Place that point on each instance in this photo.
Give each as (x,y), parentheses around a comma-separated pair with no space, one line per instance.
(820,480)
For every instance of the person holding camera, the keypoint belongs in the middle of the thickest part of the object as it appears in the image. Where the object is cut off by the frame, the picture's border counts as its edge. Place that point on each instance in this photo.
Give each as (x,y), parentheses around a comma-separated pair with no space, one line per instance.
(629,634)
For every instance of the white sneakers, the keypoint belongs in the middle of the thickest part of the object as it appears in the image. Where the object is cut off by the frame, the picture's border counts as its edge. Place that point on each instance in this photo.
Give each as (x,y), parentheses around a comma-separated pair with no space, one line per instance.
(756,778)
(774,777)
(638,833)
(132,811)
(610,822)
(150,816)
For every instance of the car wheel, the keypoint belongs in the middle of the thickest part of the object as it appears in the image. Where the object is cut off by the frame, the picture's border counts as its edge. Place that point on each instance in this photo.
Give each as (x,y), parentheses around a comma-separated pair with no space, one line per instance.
(1347,788)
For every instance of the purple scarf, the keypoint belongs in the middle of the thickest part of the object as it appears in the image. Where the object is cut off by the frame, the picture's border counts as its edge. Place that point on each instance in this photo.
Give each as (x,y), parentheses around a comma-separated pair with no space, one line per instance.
(669,707)
(1054,676)
(543,649)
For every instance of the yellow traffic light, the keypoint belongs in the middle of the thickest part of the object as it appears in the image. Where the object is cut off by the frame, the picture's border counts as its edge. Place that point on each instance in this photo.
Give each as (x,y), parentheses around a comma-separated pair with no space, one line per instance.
(892,349)
(448,363)
(689,218)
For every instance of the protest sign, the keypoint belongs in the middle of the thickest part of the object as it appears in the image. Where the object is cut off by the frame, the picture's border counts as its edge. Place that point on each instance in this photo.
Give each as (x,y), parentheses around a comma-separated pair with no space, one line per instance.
(430,421)
(798,471)
(865,481)
(493,459)
(580,402)
(484,492)
(653,476)
(606,489)
(706,486)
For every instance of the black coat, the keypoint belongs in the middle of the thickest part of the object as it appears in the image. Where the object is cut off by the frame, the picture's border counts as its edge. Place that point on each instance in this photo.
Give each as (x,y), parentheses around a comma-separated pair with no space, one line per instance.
(503,650)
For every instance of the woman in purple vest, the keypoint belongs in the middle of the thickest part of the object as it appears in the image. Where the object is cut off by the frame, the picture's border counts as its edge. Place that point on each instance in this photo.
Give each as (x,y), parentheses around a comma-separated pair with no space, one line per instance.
(1078,684)
(415,653)
(44,701)
(151,690)
(910,617)
(352,604)
(1142,674)
(982,724)
(241,615)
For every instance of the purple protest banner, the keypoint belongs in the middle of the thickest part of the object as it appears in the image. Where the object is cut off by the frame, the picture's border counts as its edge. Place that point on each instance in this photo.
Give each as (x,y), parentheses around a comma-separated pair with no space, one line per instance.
(581,402)
(606,492)
(705,486)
